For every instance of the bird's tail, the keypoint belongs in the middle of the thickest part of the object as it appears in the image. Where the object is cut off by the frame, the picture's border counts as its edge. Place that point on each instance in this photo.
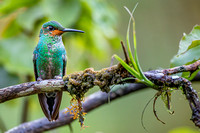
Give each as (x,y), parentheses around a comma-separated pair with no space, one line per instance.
(50,103)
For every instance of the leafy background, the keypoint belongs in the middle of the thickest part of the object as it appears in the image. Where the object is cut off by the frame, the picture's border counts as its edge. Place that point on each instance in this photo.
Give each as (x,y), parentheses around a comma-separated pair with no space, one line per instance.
(159,25)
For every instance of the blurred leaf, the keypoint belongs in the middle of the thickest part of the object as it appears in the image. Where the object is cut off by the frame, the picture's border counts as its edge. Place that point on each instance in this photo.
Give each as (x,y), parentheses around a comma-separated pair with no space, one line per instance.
(187,40)
(187,57)
(8,6)
(35,12)
(189,49)
(100,43)
(183,130)
(65,12)
(7,79)
(11,29)
(104,16)
(96,18)
(16,54)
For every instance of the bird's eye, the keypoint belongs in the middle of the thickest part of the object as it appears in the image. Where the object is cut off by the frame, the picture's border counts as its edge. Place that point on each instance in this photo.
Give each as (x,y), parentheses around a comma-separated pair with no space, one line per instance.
(51,28)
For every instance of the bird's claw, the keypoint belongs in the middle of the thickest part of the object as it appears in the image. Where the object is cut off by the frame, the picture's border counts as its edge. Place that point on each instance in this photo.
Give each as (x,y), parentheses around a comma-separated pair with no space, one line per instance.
(58,77)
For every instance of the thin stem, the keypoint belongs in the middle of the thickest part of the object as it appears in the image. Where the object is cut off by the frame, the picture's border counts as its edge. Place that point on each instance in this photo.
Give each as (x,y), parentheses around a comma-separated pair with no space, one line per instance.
(125,53)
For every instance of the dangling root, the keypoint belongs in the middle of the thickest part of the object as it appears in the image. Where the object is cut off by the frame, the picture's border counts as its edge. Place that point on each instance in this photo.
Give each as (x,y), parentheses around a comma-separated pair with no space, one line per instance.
(142,116)
(154,107)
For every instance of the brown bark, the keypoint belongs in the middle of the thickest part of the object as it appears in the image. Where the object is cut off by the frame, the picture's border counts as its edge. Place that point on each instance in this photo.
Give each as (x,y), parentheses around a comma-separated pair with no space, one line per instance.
(79,83)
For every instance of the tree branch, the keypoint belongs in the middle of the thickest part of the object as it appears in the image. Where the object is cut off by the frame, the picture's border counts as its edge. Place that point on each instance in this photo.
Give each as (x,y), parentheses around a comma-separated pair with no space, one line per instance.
(185,68)
(91,102)
(84,79)
(79,83)
(30,88)
(76,83)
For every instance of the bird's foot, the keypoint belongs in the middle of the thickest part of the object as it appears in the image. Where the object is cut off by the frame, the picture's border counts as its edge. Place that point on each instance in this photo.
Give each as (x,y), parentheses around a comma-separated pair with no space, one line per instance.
(39,79)
(51,94)
(58,77)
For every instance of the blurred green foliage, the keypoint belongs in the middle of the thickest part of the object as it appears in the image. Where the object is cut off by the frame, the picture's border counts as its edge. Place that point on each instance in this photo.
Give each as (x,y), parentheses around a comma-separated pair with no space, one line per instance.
(160,25)
(22,20)
(19,33)
(183,130)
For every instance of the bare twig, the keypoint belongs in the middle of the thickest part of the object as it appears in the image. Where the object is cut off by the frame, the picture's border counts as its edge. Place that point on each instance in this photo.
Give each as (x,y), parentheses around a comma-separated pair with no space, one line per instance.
(125,53)
(185,68)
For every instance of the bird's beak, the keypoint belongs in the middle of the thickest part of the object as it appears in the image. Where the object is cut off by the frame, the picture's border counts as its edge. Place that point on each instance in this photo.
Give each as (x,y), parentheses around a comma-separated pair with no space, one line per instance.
(72,30)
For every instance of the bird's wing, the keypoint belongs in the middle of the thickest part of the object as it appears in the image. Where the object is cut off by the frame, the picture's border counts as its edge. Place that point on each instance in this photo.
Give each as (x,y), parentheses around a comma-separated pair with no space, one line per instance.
(64,57)
(42,97)
(34,64)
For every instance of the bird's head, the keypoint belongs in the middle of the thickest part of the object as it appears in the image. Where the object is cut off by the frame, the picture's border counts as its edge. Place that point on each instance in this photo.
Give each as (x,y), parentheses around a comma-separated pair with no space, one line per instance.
(54,28)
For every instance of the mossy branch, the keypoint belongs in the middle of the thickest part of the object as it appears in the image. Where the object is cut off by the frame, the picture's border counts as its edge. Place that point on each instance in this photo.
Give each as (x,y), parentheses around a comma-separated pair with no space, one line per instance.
(77,83)
(91,102)
(97,99)
(80,82)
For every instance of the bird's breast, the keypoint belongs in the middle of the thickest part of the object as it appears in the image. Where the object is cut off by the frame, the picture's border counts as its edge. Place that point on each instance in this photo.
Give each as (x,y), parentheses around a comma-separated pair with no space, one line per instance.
(50,60)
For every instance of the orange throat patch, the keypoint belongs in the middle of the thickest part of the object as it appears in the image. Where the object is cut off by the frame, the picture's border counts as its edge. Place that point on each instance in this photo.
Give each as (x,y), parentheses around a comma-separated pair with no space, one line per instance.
(56,32)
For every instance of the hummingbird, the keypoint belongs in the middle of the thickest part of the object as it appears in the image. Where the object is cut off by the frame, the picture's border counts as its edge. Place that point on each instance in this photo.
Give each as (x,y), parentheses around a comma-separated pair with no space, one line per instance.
(50,59)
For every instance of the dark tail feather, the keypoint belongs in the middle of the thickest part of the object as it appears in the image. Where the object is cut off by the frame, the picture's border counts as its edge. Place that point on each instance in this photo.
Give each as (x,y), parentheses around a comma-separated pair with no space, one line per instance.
(50,105)
(55,112)
(43,103)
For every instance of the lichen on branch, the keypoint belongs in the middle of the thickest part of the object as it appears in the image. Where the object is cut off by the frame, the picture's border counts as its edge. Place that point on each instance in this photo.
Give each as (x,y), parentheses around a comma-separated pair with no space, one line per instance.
(80,82)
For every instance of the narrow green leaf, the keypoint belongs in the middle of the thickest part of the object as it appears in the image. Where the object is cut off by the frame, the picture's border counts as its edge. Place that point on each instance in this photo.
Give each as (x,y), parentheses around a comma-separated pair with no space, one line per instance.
(127,67)
(135,49)
(133,20)
(128,41)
